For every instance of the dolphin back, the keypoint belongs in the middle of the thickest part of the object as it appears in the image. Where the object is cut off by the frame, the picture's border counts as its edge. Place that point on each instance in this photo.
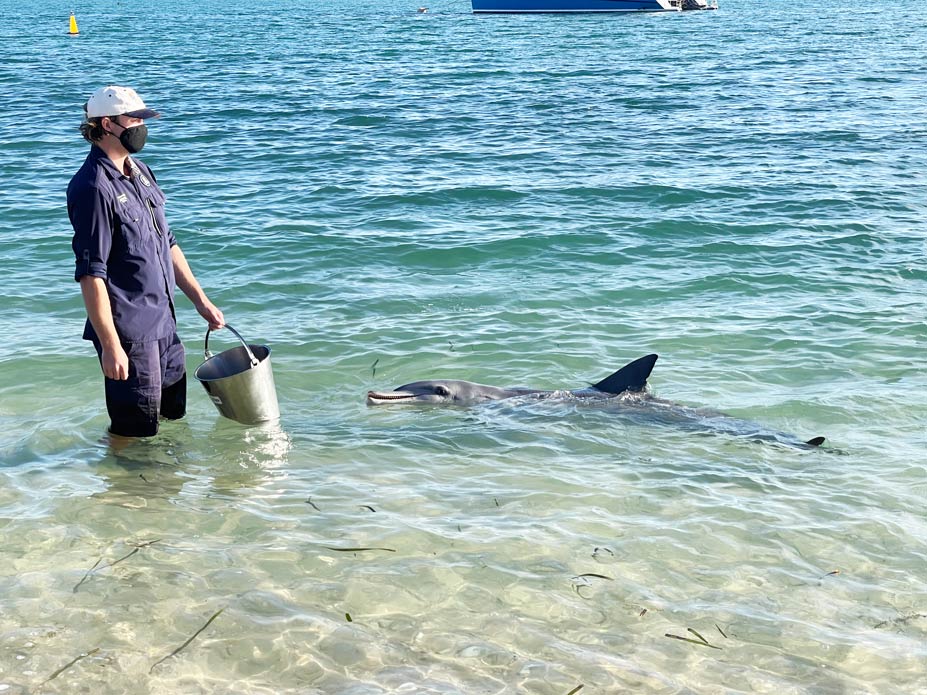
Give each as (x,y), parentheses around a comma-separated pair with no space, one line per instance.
(631,377)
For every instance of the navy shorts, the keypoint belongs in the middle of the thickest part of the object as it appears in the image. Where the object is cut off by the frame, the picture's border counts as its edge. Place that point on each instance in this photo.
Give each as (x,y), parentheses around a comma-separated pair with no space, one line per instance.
(156,387)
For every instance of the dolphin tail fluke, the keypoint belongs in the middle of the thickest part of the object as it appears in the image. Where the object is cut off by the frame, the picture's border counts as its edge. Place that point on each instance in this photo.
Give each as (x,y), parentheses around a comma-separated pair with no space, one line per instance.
(817,441)
(631,377)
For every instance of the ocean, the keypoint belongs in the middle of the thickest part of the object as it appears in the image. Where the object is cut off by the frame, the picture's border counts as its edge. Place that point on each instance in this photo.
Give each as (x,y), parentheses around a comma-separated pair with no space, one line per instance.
(383,195)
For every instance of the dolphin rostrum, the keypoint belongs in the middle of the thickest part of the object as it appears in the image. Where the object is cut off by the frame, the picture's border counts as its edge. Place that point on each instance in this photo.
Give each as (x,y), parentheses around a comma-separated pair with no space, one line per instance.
(630,379)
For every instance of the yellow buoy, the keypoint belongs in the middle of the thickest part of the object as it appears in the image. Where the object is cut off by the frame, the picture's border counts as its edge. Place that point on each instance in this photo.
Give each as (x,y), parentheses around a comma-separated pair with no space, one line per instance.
(73,31)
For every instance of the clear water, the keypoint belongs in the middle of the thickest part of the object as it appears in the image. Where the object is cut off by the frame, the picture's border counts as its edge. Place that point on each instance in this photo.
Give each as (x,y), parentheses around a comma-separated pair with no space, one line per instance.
(384,196)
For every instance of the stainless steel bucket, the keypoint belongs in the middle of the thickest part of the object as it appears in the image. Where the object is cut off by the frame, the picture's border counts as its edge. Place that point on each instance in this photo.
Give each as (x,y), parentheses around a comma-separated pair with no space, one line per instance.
(240,382)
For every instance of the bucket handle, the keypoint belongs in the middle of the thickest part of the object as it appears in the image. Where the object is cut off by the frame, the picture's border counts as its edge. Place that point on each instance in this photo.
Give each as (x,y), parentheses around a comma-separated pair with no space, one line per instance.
(208,354)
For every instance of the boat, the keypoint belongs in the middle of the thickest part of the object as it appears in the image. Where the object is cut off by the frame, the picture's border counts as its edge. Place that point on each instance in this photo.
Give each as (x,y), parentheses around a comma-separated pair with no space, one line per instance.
(556,6)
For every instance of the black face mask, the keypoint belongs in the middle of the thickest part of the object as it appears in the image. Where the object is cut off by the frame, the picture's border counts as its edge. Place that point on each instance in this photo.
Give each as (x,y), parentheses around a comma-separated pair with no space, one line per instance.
(133,139)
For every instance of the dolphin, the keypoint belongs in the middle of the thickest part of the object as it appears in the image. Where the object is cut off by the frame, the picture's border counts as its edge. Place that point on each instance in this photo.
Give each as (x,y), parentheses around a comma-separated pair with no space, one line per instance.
(629,381)
(631,377)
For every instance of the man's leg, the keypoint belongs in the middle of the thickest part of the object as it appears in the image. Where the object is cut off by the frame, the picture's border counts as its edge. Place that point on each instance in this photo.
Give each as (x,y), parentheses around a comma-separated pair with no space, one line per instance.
(134,404)
(173,378)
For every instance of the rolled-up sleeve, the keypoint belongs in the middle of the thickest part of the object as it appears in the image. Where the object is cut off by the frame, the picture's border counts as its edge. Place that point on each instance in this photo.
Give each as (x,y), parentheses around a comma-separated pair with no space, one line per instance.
(91,216)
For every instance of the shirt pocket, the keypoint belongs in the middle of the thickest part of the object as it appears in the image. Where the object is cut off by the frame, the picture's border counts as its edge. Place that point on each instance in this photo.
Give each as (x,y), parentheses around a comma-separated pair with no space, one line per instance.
(134,226)
(154,207)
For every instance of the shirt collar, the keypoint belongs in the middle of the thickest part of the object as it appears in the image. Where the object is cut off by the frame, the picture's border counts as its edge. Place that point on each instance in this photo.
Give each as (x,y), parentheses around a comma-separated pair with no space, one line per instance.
(102,159)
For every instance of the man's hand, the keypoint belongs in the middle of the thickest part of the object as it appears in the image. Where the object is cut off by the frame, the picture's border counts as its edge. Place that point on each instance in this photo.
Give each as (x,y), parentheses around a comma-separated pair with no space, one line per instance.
(115,363)
(211,313)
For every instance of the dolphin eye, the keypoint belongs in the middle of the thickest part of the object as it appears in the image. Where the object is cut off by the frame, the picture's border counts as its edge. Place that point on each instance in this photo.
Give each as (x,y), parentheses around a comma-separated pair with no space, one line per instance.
(442,391)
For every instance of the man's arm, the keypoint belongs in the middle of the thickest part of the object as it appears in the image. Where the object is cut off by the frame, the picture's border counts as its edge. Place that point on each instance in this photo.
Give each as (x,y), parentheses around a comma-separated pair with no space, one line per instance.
(190,287)
(114,360)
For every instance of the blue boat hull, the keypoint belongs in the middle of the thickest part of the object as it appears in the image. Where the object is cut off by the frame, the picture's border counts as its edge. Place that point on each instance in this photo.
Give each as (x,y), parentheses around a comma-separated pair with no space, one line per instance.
(518,6)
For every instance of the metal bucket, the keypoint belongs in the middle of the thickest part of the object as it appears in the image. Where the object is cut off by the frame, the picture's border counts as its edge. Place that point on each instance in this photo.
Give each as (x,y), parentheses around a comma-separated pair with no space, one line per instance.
(240,382)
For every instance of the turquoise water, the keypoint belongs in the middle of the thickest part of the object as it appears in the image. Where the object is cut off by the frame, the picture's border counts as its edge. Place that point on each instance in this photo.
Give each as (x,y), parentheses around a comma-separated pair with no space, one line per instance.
(383,196)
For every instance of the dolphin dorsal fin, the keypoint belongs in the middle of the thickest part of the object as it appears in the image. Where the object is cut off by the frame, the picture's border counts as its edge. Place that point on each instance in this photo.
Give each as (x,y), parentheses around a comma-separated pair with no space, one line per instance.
(631,377)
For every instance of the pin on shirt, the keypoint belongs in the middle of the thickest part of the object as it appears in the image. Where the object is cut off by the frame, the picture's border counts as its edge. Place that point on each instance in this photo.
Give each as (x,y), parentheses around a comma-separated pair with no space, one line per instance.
(141,177)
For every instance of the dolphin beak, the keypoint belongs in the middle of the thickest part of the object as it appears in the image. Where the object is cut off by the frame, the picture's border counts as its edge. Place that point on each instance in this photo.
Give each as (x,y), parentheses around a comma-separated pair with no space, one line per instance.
(381,398)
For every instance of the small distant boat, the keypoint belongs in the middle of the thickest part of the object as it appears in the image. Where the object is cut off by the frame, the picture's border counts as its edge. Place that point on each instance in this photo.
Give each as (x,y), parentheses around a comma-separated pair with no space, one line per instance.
(539,6)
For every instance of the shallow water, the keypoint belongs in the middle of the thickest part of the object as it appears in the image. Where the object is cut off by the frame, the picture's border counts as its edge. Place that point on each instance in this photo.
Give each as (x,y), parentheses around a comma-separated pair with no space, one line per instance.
(384,196)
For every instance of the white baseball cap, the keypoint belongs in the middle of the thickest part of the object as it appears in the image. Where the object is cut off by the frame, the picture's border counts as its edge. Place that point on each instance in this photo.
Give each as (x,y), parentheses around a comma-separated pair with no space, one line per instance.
(117,101)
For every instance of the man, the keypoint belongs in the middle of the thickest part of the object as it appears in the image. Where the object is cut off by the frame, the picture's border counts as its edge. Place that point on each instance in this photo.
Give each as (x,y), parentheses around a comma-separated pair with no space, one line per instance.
(127,264)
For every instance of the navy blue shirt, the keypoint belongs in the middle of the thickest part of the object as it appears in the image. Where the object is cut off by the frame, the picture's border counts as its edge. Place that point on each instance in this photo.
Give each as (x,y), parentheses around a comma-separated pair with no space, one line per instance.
(122,236)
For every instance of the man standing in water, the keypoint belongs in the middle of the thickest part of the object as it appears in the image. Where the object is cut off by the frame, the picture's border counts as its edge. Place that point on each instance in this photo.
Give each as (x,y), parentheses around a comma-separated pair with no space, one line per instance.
(127,265)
